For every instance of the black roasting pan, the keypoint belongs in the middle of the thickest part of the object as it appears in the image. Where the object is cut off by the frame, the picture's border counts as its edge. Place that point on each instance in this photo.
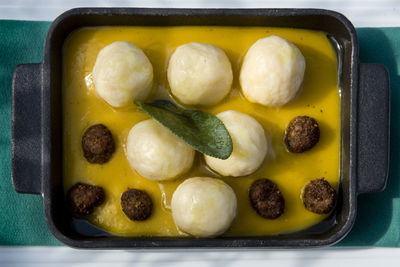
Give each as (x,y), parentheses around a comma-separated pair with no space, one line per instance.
(37,123)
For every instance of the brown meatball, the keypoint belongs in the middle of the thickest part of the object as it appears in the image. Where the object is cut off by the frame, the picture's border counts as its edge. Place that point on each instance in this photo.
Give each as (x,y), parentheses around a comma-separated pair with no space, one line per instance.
(136,204)
(266,199)
(319,196)
(82,198)
(98,144)
(302,134)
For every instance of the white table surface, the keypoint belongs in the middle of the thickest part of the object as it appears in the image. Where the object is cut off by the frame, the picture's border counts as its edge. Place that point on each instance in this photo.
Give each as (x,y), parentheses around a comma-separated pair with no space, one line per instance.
(362,13)
(328,257)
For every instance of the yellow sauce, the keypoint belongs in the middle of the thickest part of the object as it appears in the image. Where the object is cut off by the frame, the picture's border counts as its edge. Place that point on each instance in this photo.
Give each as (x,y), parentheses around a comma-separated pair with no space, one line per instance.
(82,107)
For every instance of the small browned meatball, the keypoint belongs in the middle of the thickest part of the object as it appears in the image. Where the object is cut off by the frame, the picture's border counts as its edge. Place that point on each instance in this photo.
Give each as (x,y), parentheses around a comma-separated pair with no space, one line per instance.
(136,204)
(82,198)
(319,196)
(266,199)
(98,144)
(302,134)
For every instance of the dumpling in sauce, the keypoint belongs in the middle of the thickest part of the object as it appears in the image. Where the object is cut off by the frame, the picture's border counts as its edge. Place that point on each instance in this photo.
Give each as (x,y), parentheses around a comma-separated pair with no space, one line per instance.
(250,145)
(122,73)
(199,74)
(156,153)
(272,72)
(203,206)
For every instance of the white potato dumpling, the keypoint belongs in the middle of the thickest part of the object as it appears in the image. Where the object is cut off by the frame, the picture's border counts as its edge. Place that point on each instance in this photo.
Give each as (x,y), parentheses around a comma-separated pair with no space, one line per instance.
(203,206)
(272,72)
(122,73)
(250,145)
(156,153)
(199,74)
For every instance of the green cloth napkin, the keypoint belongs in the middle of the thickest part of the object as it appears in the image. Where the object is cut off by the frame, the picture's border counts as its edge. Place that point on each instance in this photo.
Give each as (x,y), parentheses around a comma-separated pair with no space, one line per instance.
(378,215)
(22,220)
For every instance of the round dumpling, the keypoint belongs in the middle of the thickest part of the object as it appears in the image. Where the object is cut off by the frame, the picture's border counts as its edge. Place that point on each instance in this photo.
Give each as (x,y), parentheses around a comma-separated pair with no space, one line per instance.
(199,74)
(156,153)
(249,145)
(272,71)
(122,73)
(204,207)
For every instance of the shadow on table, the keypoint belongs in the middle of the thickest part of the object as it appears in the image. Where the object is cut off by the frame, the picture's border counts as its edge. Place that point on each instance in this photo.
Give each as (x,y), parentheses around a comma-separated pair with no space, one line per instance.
(375,211)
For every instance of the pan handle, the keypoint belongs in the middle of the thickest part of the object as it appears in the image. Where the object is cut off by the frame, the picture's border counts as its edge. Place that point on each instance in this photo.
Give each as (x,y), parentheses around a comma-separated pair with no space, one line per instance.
(373,128)
(26,128)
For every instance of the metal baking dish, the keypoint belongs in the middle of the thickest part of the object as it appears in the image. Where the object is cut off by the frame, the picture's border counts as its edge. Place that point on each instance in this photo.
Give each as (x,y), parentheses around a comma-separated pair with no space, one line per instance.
(37,123)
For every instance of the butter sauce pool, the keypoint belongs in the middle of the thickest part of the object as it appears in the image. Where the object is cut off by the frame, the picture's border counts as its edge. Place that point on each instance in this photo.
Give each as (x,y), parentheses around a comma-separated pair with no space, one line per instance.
(82,107)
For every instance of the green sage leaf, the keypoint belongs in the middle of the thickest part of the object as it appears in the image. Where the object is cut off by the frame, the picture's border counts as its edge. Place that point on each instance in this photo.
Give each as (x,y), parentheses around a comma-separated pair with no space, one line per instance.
(203,131)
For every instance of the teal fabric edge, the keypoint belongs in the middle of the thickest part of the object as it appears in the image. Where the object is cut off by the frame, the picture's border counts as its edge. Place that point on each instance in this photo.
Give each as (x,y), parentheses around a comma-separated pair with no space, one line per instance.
(378,216)
(22,220)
